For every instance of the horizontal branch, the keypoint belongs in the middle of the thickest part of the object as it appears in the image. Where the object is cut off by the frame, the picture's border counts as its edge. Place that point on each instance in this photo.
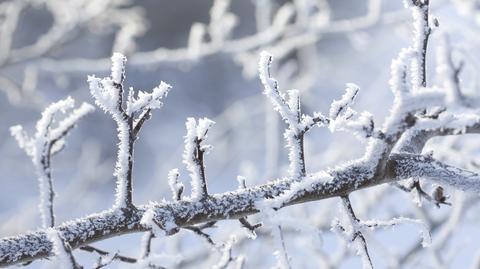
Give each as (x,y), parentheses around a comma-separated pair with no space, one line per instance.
(230,205)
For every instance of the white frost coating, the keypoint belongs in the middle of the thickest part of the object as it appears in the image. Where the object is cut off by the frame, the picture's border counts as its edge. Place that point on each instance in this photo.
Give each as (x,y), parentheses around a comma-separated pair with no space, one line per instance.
(118,67)
(362,127)
(355,228)
(196,134)
(203,127)
(275,221)
(294,102)
(294,154)
(121,166)
(148,100)
(339,107)
(242,182)
(72,119)
(105,94)
(226,251)
(343,118)
(421,30)
(299,187)
(283,259)
(63,258)
(269,215)
(164,260)
(272,92)
(48,140)
(175,185)
(353,233)
(424,231)
(399,83)
(22,138)
(189,157)
(148,220)
(290,111)
(108,94)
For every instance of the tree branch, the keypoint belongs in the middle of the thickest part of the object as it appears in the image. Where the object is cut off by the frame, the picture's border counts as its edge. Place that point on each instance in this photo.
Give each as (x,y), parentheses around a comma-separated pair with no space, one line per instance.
(236,204)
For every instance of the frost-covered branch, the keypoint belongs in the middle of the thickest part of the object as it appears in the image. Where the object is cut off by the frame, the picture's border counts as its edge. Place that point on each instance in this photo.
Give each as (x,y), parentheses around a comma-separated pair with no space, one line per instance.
(421,33)
(418,114)
(106,257)
(354,231)
(62,251)
(194,153)
(47,141)
(236,204)
(227,257)
(290,111)
(243,220)
(176,186)
(129,115)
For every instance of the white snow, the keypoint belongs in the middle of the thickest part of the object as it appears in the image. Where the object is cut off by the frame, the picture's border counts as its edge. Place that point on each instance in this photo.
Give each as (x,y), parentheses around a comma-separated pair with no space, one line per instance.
(196,134)
(48,140)
(62,257)
(339,107)
(175,185)
(108,94)
(148,100)
(118,67)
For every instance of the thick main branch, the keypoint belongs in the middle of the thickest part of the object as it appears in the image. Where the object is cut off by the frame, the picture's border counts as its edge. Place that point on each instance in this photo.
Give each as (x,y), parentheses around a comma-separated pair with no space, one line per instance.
(229,205)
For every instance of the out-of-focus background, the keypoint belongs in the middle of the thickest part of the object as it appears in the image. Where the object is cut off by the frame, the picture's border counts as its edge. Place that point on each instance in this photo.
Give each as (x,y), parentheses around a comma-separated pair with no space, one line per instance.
(208,52)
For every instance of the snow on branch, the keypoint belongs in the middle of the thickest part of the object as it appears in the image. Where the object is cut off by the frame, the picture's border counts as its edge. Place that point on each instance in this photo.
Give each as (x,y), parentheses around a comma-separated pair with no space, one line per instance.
(227,257)
(283,259)
(343,117)
(193,156)
(47,141)
(354,231)
(148,100)
(63,253)
(165,227)
(176,186)
(379,164)
(236,204)
(340,107)
(108,95)
(421,33)
(147,258)
(290,111)
(424,231)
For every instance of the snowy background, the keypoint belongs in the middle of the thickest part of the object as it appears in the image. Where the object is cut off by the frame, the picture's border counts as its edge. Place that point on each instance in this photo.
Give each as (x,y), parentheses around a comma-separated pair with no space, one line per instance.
(39,65)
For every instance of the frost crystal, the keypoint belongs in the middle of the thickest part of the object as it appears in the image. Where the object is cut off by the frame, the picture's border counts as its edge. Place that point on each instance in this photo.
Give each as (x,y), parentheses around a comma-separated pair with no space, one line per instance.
(47,141)
(194,153)
(108,94)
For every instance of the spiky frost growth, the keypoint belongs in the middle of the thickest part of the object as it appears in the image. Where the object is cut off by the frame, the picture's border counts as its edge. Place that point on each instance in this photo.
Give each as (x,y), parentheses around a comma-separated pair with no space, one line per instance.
(63,252)
(176,186)
(290,111)
(227,257)
(193,156)
(354,230)
(421,33)
(47,141)
(129,116)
